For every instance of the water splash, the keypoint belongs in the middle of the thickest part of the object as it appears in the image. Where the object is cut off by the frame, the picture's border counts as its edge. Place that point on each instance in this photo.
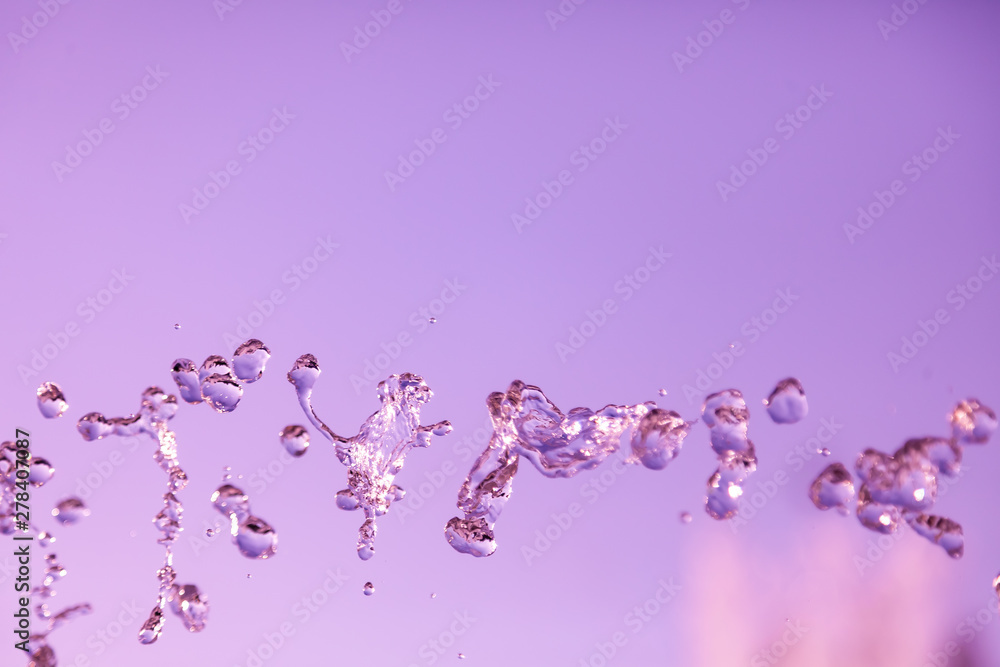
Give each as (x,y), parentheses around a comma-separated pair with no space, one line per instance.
(217,382)
(254,537)
(833,488)
(157,408)
(295,439)
(376,454)
(526,424)
(787,403)
(727,417)
(70,511)
(51,401)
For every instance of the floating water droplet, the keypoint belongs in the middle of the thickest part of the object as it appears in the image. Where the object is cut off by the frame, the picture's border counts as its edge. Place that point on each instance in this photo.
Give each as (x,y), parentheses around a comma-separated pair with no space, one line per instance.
(188,604)
(686,517)
(295,439)
(256,539)
(434,595)
(209,532)
(432,320)
(972,422)
(304,374)
(70,511)
(461,656)
(833,488)
(941,531)
(369,588)
(726,415)
(177,326)
(229,500)
(222,392)
(186,377)
(824,452)
(249,360)
(658,438)
(152,628)
(93,426)
(45,539)
(40,471)
(663,392)
(51,401)
(248,576)
(787,403)
(346,501)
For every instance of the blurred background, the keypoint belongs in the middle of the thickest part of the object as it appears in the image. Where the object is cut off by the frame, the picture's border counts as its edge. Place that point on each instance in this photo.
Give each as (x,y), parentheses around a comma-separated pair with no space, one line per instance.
(602,199)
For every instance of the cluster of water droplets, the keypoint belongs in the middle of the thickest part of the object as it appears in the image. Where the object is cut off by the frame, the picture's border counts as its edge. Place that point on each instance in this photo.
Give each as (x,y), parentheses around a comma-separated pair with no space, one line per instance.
(219,382)
(727,417)
(376,454)
(901,488)
(253,536)
(527,424)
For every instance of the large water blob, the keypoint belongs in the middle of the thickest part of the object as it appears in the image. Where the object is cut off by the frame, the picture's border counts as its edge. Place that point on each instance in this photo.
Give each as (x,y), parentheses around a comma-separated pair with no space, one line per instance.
(376,454)
(527,424)
(219,382)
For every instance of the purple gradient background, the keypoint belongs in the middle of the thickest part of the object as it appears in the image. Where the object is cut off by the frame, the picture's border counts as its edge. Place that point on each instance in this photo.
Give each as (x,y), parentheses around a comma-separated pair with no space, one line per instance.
(655,186)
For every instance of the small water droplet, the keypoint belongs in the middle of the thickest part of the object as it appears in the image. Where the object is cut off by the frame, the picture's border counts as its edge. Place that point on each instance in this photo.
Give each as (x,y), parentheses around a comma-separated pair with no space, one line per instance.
(434,595)
(249,576)
(226,473)
(256,539)
(295,439)
(686,517)
(833,488)
(249,360)
(461,656)
(69,511)
(432,320)
(663,392)
(131,533)
(370,588)
(51,401)
(209,532)
(177,326)
(787,403)
(825,451)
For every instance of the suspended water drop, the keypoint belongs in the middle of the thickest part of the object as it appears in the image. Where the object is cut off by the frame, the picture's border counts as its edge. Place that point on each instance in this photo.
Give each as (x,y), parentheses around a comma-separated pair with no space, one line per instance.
(787,403)
(190,606)
(229,500)
(152,628)
(51,401)
(658,438)
(345,500)
(663,392)
(972,422)
(249,360)
(304,374)
(461,656)
(40,471)
(434,595)
(93,426)
(369,588)
(432,320)
(222,392)
(256,539)
(177,326)
(686,517)
(941,531)
(295,439)
(70,511)
(186,377)
(833,488)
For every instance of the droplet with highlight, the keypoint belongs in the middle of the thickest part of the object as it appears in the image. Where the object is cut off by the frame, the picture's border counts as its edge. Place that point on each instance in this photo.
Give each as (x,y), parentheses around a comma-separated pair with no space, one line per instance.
(295,439)
(686,517)
(70,511)
(51,401)
(369,588)
(40,471)
(787,403)
(185,375)
(833,488)
(256,539)
(190,606)
(249,360)
(972,422)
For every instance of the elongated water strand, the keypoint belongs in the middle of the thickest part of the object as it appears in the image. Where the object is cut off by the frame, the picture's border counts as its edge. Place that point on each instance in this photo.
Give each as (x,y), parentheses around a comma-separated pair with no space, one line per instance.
(528,426)
(377,453)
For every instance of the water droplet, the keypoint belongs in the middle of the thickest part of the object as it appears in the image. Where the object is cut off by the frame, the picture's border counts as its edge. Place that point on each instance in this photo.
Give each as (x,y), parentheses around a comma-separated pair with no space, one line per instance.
(222,392)
(461,656)
(663,392)
(51,401)
(941,531)
(657,439)
(209,532)
(686,517)
(152,628)
(833,488)
(70,511)
(185,375)
(132,533)
(249,360)
(249,577)
(229,500)
(295,439)
(40,471)
(226,473)
(93,426)
(369,588)
(304,374)
(190,606)
(256,539)
(823,451)
(432,320)
(45,539)
(972,422)
(177,326)
(434,595)
(787,403)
